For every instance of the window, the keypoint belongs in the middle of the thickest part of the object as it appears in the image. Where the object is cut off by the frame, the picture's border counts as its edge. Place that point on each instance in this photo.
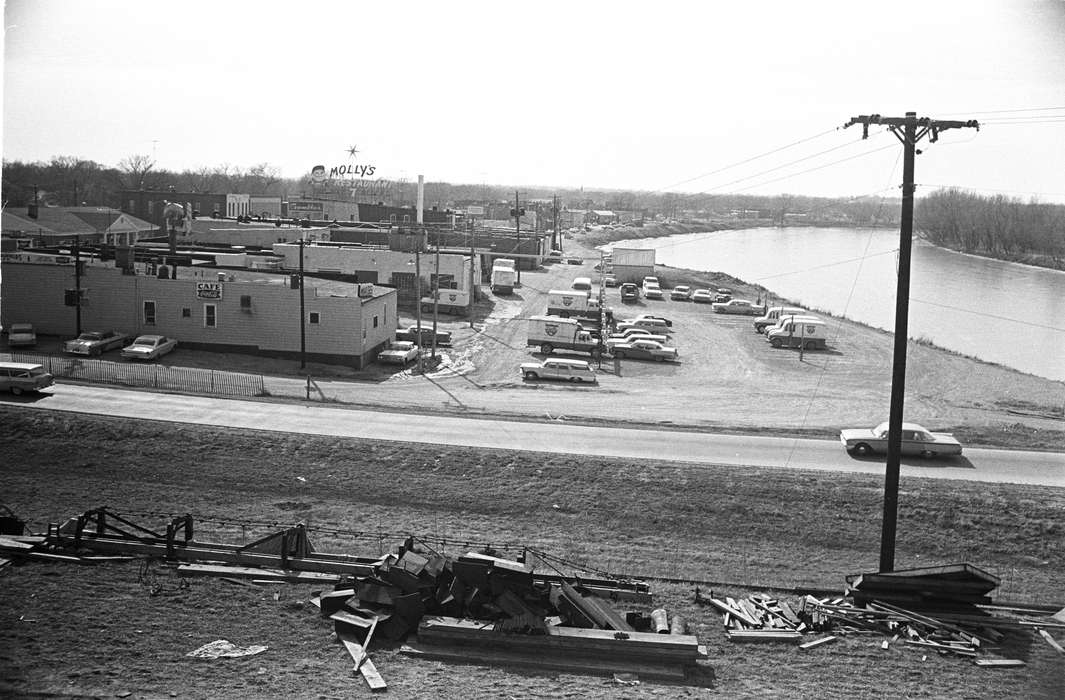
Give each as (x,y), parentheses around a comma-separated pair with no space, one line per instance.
(406,218)
(132,205)
(375,322)
(186,312)
(210,316)
(392,218)
(151,206)
(245,303)
(315,318)
(149,313)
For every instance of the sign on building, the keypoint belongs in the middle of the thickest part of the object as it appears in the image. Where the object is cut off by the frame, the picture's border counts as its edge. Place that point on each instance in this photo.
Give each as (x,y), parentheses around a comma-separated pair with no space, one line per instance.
(209,290)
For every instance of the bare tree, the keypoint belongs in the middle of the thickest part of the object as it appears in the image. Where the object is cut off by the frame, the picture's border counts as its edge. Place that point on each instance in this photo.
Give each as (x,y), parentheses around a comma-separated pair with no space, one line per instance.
(135,170)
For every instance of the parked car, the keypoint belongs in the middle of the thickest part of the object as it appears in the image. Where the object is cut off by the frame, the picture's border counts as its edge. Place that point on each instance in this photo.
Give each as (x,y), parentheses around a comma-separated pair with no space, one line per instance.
(916,440)
(559,368)
(737,306)
(632,332)
(610,281)
(21,335)
(613,342)
(703,296)
(722,295)
(95,342)
(641,349)
(630,293)
(652,317)
(426,336)
(652,291)
(574,260)
(681,293)
(149,347)
(554,255)
(399,352)
(20,377)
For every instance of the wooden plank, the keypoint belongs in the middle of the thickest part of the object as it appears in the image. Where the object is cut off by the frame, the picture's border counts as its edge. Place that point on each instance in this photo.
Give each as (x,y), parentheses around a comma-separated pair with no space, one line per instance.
(363,664)
(569,663)
(763,636)
(253,573)
(817,642)
(734,612)
(1000,663)
(1050,640)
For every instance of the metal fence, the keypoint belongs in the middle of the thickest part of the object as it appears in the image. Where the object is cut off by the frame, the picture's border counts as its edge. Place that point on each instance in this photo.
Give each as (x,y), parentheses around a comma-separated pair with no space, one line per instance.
(153,376)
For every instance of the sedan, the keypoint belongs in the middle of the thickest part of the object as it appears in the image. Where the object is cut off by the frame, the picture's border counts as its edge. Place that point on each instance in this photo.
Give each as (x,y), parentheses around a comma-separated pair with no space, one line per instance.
(652,317)
(738,306)
(652,291)
(703,296)
(610,281)
(425,338)
(95,342)
(149,347)
(641,349)
(916,440)
(681,293)
(399,352)
(612,343)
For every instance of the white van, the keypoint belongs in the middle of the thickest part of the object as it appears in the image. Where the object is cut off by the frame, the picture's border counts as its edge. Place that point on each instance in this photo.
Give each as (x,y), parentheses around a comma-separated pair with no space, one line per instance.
(807,332)
(582,284)
(773,314)
(18,377)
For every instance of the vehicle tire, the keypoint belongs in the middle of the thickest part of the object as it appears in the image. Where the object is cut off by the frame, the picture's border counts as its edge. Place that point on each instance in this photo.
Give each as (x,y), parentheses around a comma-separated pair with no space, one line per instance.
(95,352)
(861,449)
(775,342)
(660,358)
(547,348)
(529,376)
(16,390)
(573,380)
(928,454)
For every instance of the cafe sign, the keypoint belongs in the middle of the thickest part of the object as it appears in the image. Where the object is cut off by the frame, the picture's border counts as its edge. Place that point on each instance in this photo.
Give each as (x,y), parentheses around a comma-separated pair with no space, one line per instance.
(208,290)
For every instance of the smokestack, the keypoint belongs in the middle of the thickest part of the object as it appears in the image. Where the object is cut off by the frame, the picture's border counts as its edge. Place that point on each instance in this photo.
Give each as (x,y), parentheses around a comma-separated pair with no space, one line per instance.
(421,198)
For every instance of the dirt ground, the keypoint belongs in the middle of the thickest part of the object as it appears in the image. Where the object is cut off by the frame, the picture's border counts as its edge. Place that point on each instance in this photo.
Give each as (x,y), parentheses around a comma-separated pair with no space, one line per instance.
(122,629)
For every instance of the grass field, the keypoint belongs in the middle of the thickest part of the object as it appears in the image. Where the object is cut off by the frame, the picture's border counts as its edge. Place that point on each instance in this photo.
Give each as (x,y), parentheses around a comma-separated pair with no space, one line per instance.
(101,630)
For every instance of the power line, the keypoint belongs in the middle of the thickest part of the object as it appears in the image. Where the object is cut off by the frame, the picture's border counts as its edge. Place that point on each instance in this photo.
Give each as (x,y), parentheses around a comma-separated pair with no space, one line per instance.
(748,160)
(986,315)
(819,167)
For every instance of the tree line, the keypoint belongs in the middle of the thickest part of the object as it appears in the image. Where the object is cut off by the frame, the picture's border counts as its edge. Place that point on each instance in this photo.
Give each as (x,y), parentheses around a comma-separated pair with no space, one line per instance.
(996,226)
(72,181)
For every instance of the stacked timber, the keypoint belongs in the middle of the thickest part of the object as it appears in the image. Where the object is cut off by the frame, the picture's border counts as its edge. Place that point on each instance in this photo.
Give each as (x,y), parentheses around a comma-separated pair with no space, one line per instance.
(756,618)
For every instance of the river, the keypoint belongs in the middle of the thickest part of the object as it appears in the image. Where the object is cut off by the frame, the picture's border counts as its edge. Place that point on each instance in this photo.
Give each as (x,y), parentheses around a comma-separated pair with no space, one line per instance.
(1002,312)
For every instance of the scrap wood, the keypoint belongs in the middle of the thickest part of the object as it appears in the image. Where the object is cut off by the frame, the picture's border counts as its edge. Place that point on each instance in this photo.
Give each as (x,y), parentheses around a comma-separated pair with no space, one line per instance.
(1000,663)
(363,664)
(817,642)
(551,661)
(949,648)
(1050,640)
(765,635)
(225,648)
(734,612)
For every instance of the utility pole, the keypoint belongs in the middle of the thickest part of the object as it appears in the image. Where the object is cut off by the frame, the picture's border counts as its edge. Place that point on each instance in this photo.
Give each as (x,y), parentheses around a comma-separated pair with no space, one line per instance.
(517,228)
(77,284)
(909,130)
(555,236)
(418,298)
(473,266)
(303,313)
(436,295)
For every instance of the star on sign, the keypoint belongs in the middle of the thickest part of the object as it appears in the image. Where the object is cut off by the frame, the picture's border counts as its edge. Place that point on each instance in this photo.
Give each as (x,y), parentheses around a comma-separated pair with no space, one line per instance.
(352,151)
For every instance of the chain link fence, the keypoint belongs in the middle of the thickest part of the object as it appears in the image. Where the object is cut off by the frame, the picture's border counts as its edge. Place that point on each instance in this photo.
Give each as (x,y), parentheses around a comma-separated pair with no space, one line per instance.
(152,376)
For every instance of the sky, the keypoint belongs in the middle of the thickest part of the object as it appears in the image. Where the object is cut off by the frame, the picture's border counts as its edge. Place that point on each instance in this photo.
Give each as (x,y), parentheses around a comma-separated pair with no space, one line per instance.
(667,96)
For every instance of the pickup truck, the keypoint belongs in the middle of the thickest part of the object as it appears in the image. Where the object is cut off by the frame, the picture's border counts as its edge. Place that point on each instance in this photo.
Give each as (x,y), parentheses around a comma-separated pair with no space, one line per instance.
(95,342)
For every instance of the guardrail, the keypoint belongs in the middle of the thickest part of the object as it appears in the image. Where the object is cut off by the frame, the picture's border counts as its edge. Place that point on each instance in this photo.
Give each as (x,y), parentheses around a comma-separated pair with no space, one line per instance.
(153,376)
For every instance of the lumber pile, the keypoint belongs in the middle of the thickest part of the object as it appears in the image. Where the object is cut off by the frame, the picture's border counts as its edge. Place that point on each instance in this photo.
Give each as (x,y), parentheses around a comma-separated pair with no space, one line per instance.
(756,618)
(484,609)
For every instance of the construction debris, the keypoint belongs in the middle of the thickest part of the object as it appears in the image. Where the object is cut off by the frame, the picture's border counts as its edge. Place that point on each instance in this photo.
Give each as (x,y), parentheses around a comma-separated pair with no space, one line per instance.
(224,648)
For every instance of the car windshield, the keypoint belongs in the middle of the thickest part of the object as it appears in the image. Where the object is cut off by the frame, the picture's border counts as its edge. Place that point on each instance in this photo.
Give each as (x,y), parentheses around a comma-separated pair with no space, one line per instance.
(37,372)
(21,328)
(90,336)
(145,340)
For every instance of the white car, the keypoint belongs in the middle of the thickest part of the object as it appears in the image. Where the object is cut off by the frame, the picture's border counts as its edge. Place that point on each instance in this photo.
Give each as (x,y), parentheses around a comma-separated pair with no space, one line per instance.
(642,349)
(916,440)
(703,296)
(651,290)
(149,347)
(632,333)
(399,352)
(559,368)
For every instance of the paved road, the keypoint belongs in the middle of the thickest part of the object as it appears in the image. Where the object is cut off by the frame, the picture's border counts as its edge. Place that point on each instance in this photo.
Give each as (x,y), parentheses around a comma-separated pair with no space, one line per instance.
(997,466)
